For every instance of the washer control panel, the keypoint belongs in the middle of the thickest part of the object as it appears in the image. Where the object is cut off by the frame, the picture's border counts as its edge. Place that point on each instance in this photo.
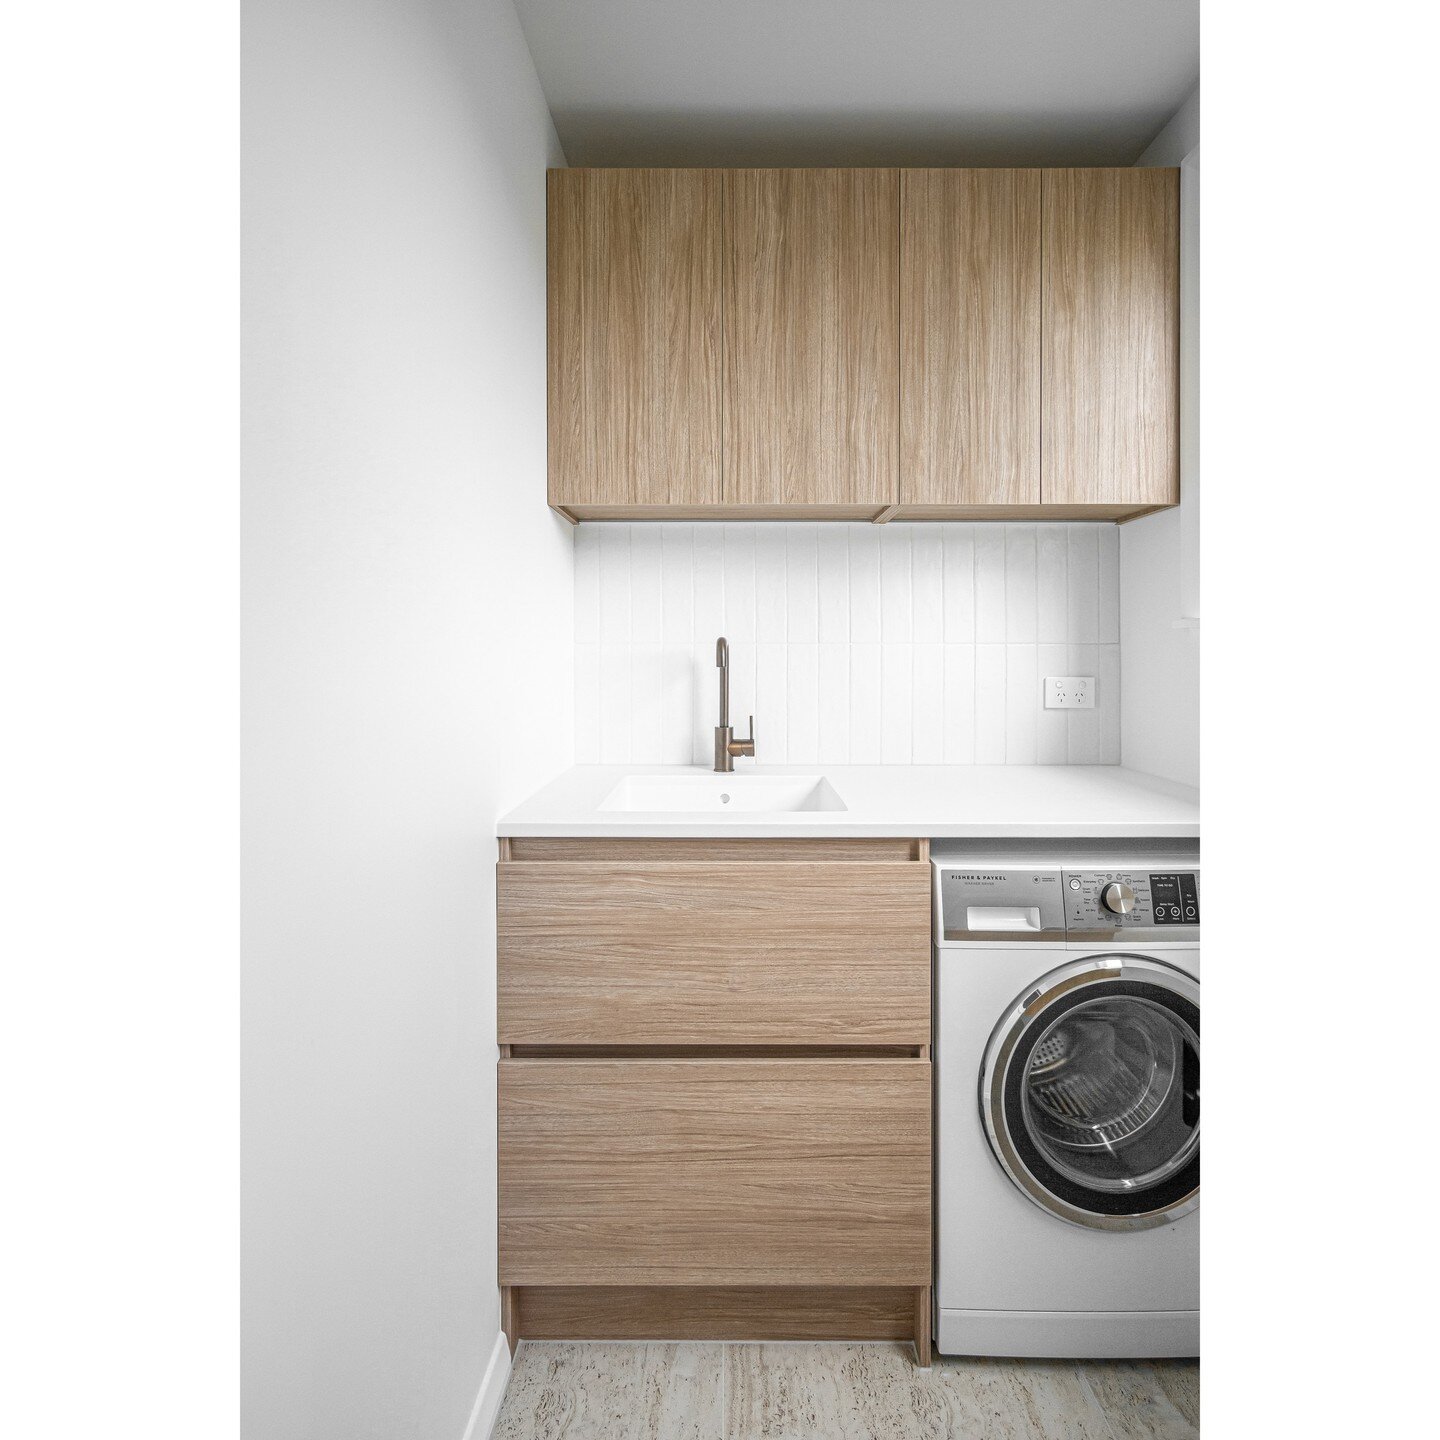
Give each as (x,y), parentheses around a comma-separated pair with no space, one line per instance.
(1126,899)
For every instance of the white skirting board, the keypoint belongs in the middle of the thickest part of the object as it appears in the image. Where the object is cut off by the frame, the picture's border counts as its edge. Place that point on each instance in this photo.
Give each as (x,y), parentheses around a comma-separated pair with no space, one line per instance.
(492,1392)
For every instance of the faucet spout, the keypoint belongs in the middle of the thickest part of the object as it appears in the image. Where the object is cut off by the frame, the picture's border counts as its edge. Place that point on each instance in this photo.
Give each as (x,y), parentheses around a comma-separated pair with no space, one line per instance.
(722,663)
(727,747)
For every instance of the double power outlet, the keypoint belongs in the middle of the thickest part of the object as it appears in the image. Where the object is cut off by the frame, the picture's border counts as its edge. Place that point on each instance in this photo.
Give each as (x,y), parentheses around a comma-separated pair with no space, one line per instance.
(1069,692)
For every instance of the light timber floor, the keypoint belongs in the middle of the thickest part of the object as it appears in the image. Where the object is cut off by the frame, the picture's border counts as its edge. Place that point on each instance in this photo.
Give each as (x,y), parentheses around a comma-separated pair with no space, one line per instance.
(703,1390)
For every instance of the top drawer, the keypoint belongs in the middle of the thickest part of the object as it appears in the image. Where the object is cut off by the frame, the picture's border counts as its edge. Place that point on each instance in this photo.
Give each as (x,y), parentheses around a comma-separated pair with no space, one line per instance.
(693,952)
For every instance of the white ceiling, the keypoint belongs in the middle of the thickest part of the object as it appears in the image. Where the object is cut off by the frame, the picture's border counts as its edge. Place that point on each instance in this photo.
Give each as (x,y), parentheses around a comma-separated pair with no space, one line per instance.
(824,82)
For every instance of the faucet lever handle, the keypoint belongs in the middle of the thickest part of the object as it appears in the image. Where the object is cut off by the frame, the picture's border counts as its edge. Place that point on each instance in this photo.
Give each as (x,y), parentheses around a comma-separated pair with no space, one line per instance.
(747,745)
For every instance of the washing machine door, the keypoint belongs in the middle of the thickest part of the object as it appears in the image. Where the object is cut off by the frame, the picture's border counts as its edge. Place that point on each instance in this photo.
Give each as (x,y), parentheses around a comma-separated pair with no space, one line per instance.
(1090,1092)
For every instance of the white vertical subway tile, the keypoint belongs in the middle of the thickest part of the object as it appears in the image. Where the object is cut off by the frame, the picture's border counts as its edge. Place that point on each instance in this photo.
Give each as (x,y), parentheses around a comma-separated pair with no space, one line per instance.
(802,582)
(865,585)
(878,685)
(614,583)
(865,683)
(1022,695)
(927,689)
(677,706)
(704,702)
(959,545)
(772,711)
(1108,632)
(896,710)
(1020,584)
(833,689)
(587,584)
(1107,702)
(802,704)
(1083,559)
(646,588)
(1084,743)
(834,582)
(927,582)
(897,622)
(613,717)
(709,582)
(989,704)
(677,583)
(770,592)
(959,704)
(739,548)
(1051,584)
(989,583)
(1052,727)
(646,698)
(587,703)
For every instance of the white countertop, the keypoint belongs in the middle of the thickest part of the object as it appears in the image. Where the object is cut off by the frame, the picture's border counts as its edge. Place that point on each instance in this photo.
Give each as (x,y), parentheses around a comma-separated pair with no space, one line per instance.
(925,801)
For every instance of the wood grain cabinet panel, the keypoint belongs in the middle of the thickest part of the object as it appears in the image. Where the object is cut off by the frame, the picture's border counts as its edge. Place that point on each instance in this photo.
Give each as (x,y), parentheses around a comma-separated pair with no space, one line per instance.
(714,1172)
(811,323)
(696,953)
(1110,403)
(970,337)
(634,337)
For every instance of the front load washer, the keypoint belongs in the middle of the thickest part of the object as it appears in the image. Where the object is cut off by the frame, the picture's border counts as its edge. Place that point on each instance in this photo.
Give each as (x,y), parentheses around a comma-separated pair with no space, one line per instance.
(1067,1059)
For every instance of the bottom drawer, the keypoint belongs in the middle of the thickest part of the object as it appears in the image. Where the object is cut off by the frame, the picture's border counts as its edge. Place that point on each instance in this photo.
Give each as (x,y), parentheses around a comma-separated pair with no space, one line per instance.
(714,1172)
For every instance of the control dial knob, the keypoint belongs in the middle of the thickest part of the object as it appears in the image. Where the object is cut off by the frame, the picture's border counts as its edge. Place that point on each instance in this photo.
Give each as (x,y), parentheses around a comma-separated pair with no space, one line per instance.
(1119,897)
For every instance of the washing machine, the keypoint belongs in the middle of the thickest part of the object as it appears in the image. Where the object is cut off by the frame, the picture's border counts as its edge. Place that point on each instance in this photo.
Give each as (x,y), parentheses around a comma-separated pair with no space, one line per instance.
(1067,1061)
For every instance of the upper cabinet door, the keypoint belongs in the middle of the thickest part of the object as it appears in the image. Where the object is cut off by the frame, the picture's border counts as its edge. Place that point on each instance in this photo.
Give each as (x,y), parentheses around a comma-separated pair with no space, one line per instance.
(634,337)
(1110,401)
(811,337)
(970,337)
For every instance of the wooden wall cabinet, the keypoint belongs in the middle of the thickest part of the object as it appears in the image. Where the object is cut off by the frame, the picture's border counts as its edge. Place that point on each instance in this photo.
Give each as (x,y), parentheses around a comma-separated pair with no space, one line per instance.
(715,1088)
(970,338)
(812,332)
(864,343)
(1110,401)
(790,275)
(634,338)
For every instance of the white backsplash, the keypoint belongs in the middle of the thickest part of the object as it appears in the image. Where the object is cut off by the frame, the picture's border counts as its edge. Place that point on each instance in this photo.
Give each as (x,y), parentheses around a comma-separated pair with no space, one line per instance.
(854,644)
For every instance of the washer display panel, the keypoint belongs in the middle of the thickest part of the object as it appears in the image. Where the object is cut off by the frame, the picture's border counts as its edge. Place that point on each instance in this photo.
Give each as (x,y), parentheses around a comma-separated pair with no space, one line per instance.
(1091,1093)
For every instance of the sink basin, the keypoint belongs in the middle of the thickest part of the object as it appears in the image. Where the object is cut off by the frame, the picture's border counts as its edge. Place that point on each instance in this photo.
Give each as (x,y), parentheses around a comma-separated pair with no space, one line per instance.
(721,794)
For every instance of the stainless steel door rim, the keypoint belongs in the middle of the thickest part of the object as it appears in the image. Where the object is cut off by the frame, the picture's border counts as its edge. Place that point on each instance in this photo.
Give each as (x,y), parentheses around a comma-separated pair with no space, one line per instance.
(1134,980)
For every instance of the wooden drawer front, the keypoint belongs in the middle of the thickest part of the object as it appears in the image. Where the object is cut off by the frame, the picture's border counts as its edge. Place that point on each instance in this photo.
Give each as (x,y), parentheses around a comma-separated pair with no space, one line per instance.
(691,953)
(714,1172)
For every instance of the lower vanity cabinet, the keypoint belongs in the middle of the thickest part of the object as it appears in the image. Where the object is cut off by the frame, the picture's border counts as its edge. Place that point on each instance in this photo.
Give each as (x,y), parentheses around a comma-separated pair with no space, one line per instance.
(753,1160)
(732,1171)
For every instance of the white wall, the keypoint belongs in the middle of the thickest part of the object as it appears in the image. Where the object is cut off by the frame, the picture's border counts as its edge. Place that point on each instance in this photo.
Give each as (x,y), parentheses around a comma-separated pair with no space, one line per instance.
(1160,555)
(852,644)
(407,648)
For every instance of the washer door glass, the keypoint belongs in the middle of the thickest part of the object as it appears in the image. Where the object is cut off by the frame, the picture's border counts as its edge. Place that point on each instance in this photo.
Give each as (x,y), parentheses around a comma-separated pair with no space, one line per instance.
(1112,1094)
(1090,1092)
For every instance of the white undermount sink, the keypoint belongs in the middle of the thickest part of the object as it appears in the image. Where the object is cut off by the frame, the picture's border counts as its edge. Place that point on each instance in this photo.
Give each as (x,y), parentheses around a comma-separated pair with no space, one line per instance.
(719,794)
